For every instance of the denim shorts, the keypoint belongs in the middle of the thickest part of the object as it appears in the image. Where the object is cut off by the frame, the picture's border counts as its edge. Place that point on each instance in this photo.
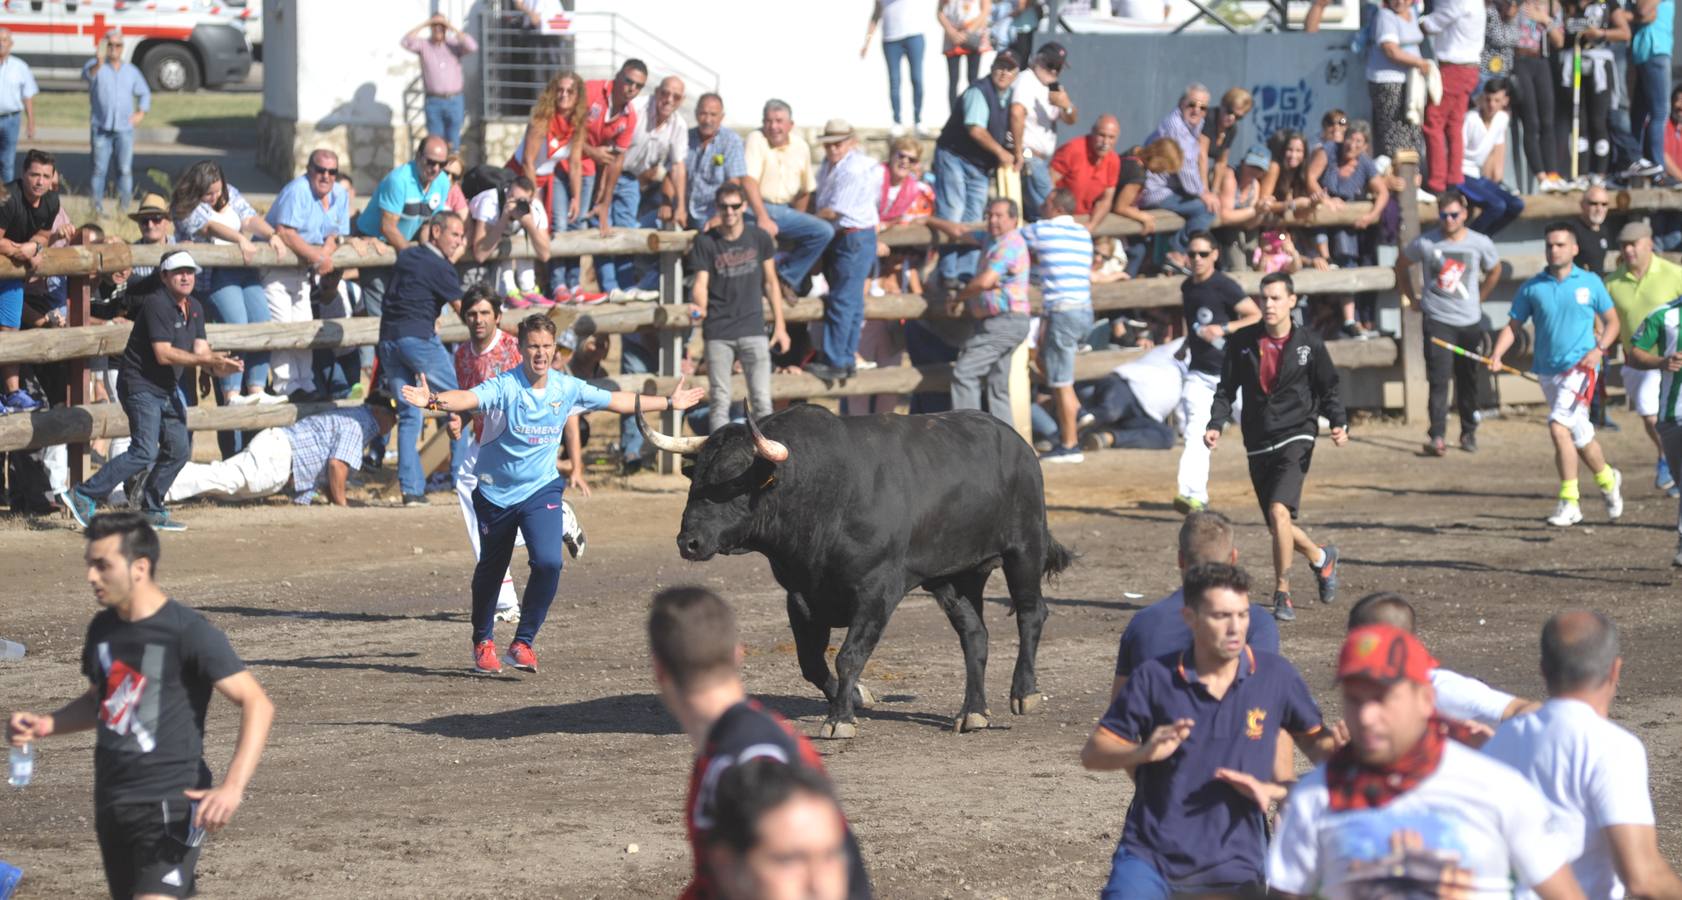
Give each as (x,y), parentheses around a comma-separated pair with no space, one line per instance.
(1060,336)
(11,303)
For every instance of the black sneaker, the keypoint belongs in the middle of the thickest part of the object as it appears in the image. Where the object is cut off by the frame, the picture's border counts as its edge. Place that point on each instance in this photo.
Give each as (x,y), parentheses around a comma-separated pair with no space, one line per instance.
(1469,441)
(416,500)
(1325,574)
(1353,331)
(825,371)
(1282,608)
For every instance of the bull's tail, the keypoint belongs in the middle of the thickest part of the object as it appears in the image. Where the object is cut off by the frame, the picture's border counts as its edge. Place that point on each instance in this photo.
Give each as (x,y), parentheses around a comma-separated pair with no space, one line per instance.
(1057,556)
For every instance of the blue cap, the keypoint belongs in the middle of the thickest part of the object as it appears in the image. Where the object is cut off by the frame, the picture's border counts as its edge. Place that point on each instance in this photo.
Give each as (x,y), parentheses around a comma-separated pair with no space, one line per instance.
(1259,156)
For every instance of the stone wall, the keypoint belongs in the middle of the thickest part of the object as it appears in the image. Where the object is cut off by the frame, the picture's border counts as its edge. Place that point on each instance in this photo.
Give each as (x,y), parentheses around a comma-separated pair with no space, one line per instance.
(366,151)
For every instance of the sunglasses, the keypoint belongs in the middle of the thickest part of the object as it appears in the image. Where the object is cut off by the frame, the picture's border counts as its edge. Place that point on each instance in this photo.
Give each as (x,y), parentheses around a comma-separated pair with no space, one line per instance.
(733,207)
(1338,123)
(907,157)
(1601,205)
(668,95)
(1451,215)
(1200,254)
(1196,106)
(331,173)
(150,220)
(432,163)
(633,85)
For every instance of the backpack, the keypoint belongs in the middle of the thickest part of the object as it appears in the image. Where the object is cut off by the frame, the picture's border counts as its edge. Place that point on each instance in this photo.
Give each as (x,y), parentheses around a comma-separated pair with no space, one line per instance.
(482,178)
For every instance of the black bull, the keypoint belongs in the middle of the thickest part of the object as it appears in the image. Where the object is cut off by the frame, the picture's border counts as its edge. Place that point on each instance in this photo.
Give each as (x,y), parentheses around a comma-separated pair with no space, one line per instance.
(854,512)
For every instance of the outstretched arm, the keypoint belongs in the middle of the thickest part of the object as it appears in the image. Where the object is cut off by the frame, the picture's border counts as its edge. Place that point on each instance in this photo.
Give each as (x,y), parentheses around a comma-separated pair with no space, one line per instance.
(624,402)
(449,401)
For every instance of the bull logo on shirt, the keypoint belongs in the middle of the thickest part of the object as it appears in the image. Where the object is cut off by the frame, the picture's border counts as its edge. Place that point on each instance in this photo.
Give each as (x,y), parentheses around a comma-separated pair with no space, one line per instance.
(119,711)
(1254,721)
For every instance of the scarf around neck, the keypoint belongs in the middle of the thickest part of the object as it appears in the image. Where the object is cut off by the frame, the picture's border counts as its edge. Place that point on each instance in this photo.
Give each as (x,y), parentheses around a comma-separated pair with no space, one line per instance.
(1355,785)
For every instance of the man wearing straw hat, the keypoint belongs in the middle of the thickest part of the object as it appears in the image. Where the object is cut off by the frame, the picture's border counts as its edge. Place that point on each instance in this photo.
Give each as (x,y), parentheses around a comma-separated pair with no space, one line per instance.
(846,198)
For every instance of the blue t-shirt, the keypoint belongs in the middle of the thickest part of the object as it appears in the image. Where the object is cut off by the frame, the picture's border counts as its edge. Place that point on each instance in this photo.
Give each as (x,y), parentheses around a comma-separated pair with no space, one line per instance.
(518,458)
(297,207)
(400,193)
(422,281)
(1158,630)
(1197,831)
(1564,312)
(1657,37)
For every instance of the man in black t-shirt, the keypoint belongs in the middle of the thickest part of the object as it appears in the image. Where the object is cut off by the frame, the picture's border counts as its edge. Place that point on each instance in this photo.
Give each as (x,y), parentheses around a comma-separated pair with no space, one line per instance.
(1215,306)
(735,265)
(151,665)
(168,336)
(26,225)
(1593,230)
(423,282)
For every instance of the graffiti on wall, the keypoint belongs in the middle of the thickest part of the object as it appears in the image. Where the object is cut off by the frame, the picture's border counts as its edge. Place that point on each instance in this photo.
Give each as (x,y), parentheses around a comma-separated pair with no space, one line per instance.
(1282,105)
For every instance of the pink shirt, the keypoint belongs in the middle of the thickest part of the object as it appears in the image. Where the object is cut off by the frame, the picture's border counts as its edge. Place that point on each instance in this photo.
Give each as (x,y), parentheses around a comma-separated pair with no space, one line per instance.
(441,63)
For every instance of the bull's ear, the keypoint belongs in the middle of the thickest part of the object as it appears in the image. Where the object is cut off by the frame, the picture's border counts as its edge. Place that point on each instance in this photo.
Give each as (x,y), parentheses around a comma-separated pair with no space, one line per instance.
(688,470)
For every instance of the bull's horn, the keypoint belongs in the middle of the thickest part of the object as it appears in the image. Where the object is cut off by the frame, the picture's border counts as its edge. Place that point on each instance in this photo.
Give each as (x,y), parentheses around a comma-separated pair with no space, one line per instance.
(775,451)
(666,442)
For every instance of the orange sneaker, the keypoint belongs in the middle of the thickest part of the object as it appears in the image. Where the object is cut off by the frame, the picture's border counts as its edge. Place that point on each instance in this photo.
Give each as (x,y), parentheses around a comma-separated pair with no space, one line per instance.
(520,656)
(484,658)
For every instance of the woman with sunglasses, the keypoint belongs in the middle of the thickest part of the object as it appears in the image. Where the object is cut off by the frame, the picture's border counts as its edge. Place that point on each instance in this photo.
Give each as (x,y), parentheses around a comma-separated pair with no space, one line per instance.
(1219,129)
(904,198)
(554,145)
(1353,177)
(1333,126)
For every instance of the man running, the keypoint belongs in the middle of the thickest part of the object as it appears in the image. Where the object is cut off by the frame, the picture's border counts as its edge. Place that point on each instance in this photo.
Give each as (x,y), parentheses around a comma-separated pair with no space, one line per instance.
(1215,306)
(1567,304)
(1643,282)
(519,489)
(152,664)
(1656,346)
(1288,382)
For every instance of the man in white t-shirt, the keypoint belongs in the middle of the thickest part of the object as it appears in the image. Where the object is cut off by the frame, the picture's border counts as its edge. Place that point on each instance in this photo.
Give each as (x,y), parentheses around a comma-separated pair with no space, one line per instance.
(1592,772)
(1403,810)
(1460,698)
(1037,103)
(1129,408)
(1485,134)
(494,218)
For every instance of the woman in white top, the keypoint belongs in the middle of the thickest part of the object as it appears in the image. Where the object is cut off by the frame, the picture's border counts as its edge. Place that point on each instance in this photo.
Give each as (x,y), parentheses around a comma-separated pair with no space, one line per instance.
(902,41)
(965,25)
(1393,54)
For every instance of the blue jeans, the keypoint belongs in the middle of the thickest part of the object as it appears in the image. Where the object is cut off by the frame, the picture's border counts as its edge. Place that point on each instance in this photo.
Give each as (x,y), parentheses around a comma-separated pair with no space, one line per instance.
(1036,186)
(402,360)
(158,443)
(1060,337)
(564,269)
(1498,208)
(805,236)
(1626,147)
(635,359)
(614,272)
(539,519)
(1197,216)
(9,124)
(908,49)
(444,116)
(1648,99)
(843,312)
(106,146)
(236,295)
(960,195)
(1131,878)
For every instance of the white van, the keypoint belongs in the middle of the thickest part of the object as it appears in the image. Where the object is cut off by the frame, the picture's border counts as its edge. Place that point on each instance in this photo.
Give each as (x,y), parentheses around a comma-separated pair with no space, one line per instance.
(180,45)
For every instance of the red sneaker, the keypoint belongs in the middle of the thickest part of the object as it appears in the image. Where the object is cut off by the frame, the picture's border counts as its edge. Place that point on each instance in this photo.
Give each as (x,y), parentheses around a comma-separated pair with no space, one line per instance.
(588,298)
(520,656)
(563,295)
(484,658)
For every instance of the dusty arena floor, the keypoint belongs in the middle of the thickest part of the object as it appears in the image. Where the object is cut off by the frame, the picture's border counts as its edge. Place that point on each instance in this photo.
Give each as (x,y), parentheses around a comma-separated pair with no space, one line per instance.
(394,772)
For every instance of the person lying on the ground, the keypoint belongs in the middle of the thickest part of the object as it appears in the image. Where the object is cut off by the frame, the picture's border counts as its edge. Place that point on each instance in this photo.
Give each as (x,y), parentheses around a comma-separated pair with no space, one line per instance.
(317,453)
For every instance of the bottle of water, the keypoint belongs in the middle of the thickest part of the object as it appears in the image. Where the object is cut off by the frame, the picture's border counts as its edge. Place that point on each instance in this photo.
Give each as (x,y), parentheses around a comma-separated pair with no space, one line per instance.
(23,765)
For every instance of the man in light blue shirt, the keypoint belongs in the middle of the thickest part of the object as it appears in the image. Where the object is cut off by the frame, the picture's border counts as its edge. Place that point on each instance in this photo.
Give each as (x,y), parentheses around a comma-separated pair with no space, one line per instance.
(311,216)
(114,87)
(17,101)
(407,196)
(716,155)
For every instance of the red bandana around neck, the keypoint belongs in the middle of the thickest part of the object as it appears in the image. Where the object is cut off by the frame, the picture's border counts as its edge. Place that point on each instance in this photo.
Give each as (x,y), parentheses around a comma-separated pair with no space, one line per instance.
(1355,785)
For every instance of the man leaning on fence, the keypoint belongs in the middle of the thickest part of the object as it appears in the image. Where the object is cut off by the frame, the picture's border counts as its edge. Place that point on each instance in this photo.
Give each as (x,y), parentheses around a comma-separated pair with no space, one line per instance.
(406,198)
(311,215)
(26,225)
(997,298)
(168,336)
(846,199)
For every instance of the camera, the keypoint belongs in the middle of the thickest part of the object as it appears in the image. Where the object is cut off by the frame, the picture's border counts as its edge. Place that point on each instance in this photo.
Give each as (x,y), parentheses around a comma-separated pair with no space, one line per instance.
(522,207)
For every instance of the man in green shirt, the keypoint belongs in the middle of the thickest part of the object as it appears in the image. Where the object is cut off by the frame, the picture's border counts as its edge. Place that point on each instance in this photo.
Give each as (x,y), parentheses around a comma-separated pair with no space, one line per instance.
(1642,283)
(1655,349)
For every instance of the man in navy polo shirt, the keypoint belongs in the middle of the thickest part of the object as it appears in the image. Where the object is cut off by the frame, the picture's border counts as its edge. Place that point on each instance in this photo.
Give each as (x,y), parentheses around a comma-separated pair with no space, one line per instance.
(1197,731)
(1160,629)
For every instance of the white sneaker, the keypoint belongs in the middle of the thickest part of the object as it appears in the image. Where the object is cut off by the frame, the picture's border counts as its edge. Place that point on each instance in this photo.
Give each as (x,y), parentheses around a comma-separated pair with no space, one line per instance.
(572,533)
(1614,497)
(644,295)
(820,286)
(619,295)
(264,398)
(1565,515)
(897,131)
(507,614)
(242,399)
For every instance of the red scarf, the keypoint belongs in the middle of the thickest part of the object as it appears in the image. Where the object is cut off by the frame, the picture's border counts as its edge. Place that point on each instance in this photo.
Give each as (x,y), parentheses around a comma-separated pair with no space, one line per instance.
(1355,785)
(907,195)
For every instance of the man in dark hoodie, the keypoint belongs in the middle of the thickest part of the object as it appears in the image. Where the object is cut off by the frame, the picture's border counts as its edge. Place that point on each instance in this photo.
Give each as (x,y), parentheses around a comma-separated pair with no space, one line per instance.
(1288,382)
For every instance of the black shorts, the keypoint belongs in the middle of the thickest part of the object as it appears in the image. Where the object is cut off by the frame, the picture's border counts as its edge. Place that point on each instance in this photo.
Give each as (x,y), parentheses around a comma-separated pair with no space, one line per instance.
(149,848)
(1279,473)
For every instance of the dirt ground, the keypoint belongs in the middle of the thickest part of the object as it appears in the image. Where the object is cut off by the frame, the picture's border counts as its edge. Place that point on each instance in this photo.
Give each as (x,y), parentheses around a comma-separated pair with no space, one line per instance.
(394,772)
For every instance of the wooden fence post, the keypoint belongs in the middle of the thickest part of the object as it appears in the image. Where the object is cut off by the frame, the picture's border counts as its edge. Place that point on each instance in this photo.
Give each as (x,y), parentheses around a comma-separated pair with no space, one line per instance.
(79,294)
(671,346)
(1415,390)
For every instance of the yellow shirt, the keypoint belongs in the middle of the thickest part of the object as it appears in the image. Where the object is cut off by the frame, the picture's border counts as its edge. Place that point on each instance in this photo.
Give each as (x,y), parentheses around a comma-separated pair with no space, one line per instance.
(782,172)
(1636,300)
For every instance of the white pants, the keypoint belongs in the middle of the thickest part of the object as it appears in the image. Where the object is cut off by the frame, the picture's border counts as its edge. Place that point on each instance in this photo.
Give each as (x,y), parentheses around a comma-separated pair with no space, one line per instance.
(263,467)
(288,293)
(1197,394)
(466,481)
(1562,392)
(1642,388)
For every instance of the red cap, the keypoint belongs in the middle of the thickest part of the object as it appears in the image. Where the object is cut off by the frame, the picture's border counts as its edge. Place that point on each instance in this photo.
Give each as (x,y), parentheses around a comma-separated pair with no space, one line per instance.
(1385,654)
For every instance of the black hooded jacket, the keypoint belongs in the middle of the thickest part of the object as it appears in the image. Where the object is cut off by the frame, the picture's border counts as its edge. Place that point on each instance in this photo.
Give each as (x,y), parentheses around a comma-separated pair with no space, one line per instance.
(1305,390)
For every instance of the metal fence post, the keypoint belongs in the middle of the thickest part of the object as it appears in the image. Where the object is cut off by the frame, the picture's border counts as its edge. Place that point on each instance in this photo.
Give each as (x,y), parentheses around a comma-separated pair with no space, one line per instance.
(1415,390)
(671,345)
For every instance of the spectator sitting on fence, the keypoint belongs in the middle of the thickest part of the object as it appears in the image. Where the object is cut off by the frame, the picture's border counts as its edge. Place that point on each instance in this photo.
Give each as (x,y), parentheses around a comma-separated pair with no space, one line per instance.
(27,213)
(423,282)
(168,335)
(440,61)
(1286,193)
(845,198)
(206,208)
(1184,193)
(1161,157)
(311,214)
(905,199)
(406,198)
(1334,127)
(1485,162)
(155,228)
(552,154)
(499,212)
(970,148)
(1239,187)
(1219,130)
(1109,260)
(735,268)
(1089,167)
(656,161)
(1351,176)
(315,455)
(780,184)
(716,155)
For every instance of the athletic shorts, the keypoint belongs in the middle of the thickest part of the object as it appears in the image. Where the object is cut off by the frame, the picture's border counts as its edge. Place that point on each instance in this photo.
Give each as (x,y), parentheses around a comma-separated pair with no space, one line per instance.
(1278,474)
(1642,388)
(149,848)
(1562,392)
(11,303)
(1060,340)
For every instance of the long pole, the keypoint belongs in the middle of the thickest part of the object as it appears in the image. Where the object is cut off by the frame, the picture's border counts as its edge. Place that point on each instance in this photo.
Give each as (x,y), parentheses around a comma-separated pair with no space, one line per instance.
(1576,102)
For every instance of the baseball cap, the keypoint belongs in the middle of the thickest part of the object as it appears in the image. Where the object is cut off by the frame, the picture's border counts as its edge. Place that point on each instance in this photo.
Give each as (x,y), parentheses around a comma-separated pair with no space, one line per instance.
(180,259)
(1006,59)
(1384,654)
(1634,231)
(1259,156)
(1053,54)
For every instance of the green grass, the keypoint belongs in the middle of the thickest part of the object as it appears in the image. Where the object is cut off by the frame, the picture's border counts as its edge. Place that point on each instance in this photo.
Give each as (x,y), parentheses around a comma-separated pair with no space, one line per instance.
(205,109)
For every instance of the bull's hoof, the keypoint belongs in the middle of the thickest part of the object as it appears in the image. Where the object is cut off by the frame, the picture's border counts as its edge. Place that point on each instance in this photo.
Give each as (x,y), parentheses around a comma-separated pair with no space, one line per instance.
(971,722)
(838,731)
(862,697)
(1021,706)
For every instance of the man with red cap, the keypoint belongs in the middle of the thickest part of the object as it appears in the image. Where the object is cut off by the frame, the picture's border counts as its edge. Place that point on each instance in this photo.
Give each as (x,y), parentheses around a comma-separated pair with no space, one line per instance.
(1402,809)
